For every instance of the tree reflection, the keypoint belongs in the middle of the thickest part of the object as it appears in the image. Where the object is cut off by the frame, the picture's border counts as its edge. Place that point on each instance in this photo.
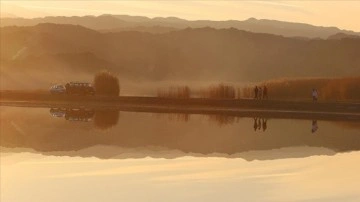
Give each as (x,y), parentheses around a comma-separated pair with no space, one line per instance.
(220,119)
(174,116)
(105,119)
(223,120)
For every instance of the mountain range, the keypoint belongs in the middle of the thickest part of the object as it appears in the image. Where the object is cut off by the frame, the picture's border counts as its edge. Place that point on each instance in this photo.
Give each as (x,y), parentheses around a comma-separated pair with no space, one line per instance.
(114,23)
(190,54)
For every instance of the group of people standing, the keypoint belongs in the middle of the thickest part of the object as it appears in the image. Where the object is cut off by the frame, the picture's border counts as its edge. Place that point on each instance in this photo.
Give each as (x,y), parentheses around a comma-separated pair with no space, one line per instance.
(261,93)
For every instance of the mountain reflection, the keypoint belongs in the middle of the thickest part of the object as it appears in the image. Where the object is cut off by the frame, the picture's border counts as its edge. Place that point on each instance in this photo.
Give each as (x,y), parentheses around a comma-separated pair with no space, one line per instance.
(103,119)
(141,134)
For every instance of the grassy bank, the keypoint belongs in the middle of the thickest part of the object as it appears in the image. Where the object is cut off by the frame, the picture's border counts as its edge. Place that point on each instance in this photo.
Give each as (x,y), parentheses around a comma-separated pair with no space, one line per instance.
(330,89)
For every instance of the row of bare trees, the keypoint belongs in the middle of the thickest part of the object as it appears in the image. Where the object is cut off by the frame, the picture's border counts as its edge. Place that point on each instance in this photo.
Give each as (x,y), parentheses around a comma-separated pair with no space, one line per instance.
(220,91)
(181,92)
(106,83)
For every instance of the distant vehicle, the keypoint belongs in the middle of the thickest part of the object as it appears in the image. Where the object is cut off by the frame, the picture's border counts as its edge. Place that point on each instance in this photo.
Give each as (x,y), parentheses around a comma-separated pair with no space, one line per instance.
(57,89)
(79,88)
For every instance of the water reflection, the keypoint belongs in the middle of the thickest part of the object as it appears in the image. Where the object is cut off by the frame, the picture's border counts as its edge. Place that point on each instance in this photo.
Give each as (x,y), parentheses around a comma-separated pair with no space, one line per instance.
(73,114)
(223,120)
(314,126)
(219,119)
(103,119)
(144,135)
(260,123)
(183,117)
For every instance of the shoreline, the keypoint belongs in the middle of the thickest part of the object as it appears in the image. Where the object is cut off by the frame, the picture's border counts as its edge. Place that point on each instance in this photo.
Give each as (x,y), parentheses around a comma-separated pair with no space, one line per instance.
(223,107)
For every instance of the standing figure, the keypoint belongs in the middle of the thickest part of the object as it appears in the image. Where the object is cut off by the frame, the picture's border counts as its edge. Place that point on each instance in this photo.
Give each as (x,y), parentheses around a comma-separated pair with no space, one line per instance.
(314,95)
(265,93)
(256,90)
(260,93)
(67,88)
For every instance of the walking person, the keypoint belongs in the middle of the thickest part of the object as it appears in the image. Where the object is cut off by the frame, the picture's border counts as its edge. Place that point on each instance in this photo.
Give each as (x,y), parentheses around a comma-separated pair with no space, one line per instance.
(260,93)
(265,93)
(256,90)
(314,95)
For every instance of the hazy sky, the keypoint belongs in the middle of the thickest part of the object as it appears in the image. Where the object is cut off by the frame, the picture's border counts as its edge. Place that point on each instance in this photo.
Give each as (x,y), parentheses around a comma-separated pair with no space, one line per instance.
(342,14)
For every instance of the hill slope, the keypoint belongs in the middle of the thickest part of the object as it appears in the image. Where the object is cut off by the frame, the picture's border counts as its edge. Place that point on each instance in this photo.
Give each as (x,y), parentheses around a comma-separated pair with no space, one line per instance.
(190,54)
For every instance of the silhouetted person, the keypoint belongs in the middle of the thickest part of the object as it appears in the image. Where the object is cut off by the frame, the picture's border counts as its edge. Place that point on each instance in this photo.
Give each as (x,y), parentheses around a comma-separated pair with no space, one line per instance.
(264,124)
(314,126)
(259,124)
(260,93)
(255,124)
(256,91)
(67,87)
(314,95)
(265,93)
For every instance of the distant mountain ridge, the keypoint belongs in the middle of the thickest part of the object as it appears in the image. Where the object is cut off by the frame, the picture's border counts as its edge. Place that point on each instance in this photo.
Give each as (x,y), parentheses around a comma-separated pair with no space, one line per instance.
(340,36)
(191,54)
(124,22)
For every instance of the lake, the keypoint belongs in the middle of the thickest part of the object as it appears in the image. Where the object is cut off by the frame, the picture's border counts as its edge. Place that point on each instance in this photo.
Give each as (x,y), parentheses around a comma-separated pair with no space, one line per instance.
(87,155)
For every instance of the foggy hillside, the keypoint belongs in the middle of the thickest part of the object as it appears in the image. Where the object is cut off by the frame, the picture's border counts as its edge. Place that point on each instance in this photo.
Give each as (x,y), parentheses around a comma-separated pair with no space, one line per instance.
(191,54)
(114,23)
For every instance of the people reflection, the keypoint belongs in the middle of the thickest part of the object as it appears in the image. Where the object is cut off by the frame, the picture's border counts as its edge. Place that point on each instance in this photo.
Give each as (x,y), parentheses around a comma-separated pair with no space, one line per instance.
(255,123)
(264,124)
(314,126)
(260,123)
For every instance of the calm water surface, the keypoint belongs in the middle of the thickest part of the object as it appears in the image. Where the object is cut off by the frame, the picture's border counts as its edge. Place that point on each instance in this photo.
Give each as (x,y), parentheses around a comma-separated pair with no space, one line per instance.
(86,155)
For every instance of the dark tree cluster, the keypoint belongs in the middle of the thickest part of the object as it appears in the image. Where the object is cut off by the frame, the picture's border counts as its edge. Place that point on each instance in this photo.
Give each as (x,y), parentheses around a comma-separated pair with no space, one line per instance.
(106,83)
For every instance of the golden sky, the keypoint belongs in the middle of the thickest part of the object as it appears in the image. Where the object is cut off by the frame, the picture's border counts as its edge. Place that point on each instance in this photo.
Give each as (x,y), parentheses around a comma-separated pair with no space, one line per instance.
(342,14)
